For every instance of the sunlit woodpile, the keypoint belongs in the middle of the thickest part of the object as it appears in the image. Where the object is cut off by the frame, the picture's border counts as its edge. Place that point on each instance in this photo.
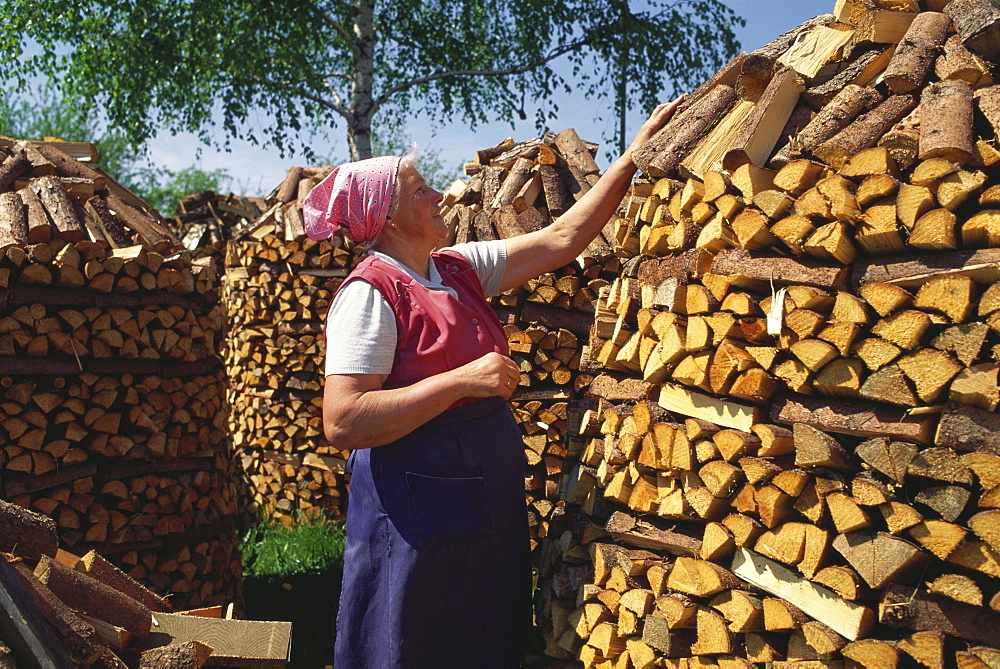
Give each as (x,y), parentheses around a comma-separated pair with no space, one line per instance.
(794,457)
(113,411)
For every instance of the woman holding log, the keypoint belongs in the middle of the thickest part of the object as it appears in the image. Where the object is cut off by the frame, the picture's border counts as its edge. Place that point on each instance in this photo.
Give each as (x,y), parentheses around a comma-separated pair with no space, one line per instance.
(437,569)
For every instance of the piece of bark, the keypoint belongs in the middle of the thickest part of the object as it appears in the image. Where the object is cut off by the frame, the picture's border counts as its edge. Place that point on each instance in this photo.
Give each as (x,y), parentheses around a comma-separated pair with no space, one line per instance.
(661,155)
(983,265)
(917,52)
(907,608)
(858,419)
(864,131)
(978,24)
(878,557)
(966,428)
(26,533)
(651,534)
(88,595)
(946,122)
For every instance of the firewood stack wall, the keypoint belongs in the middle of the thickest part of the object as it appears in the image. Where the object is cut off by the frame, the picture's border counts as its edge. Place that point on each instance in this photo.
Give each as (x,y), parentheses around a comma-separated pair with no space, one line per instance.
(113,411)
(279,284)
(516,188)
(795,457)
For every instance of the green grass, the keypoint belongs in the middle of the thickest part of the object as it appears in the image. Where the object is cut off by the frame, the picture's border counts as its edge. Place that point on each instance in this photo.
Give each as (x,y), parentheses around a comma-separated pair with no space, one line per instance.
(309,546)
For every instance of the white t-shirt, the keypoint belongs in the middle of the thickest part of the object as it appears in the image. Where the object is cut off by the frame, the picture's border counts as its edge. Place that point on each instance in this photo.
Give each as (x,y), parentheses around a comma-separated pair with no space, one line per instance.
(361,327)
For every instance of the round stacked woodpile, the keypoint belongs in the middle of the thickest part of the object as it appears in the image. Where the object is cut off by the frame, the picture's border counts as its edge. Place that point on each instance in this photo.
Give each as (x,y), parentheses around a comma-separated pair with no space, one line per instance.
(112,404)
(279,284)
(794,459)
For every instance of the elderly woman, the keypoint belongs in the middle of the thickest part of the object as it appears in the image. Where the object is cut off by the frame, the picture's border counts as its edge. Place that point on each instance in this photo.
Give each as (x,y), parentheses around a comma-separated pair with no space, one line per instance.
(437,570)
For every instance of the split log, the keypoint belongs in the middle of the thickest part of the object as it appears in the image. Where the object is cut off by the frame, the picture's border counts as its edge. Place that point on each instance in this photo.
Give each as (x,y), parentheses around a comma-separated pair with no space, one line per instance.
(946,122)
(907,608)
(966,428)
(864,131)
(26,533)
(978,24)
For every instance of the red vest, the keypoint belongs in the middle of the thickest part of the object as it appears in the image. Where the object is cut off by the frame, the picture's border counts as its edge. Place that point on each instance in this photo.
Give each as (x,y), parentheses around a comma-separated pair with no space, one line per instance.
(434,332)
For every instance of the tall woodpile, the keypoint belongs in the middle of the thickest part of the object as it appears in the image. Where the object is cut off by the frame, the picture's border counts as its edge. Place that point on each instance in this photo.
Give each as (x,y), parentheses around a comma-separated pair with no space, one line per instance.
(113,412)
(61,610)
(520,187)
(795,456)
(279,284)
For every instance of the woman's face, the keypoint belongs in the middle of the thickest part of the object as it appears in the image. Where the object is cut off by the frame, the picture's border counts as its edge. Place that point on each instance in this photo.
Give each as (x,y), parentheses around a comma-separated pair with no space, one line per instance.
(417,214)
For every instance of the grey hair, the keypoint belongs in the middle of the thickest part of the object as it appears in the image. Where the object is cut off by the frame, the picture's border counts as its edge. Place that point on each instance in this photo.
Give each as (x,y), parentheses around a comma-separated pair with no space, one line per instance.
(410,159)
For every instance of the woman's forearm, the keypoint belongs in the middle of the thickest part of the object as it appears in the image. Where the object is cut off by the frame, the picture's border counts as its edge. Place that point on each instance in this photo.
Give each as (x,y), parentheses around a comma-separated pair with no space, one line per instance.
(359,413)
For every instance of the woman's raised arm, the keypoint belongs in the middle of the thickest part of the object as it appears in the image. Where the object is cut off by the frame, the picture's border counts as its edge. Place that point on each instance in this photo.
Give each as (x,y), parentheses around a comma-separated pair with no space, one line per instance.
(538,252)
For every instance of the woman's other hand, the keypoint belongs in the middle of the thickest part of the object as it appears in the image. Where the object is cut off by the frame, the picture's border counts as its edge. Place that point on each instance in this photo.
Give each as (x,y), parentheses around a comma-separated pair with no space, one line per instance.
(656,120)
(491,375)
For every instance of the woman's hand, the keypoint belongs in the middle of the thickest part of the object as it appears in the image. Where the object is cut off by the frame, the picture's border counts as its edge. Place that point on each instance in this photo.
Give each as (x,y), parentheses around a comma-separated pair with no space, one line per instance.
(488,376)
(656,120)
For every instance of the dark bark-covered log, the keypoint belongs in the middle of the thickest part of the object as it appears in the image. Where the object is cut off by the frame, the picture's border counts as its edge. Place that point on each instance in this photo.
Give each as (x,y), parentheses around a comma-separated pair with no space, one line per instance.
(618,390)
(556,198)
(13,220)
(907,608)
(946,122)
(532,220)
(651,533)
(727,76)
(114,231)
(858,419)
(60,208)
(820,95)
(834,117)
(65,164)
(978,24)
(864,131)
(78,637)
(97,567)
(917,52)
(289,188)
(958,62)
(801,117)
(912,271)
(661,155)
(87,595)
(493,176)
(26,533)
(184,655)
(759,269)
(576,152)
(967,428)
(682,267)
(158,237)
(12,167)
(505,222)
(24,628)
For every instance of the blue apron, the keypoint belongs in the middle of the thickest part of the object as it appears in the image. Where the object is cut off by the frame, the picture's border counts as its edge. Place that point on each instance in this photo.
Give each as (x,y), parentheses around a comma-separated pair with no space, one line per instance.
(437,569)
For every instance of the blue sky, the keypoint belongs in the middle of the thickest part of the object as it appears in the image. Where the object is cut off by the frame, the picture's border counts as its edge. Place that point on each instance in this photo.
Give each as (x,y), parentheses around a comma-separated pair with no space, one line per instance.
(257,171)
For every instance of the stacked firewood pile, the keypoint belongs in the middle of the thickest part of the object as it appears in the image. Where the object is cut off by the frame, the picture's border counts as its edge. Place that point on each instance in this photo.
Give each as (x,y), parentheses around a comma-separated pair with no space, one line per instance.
(61,610)
(112,407)
(279,284)
(205,221)
(795,457)
(515,188)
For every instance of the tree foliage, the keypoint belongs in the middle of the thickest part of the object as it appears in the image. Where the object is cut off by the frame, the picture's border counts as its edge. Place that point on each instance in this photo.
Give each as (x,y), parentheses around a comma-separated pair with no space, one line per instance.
(310,65)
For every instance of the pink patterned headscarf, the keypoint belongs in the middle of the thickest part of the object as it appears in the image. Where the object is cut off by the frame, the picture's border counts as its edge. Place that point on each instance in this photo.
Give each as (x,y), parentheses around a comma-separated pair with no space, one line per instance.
(354,196)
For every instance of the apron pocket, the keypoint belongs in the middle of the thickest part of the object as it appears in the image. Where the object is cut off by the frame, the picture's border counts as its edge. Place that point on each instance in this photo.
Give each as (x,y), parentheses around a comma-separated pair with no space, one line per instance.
(448,509)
